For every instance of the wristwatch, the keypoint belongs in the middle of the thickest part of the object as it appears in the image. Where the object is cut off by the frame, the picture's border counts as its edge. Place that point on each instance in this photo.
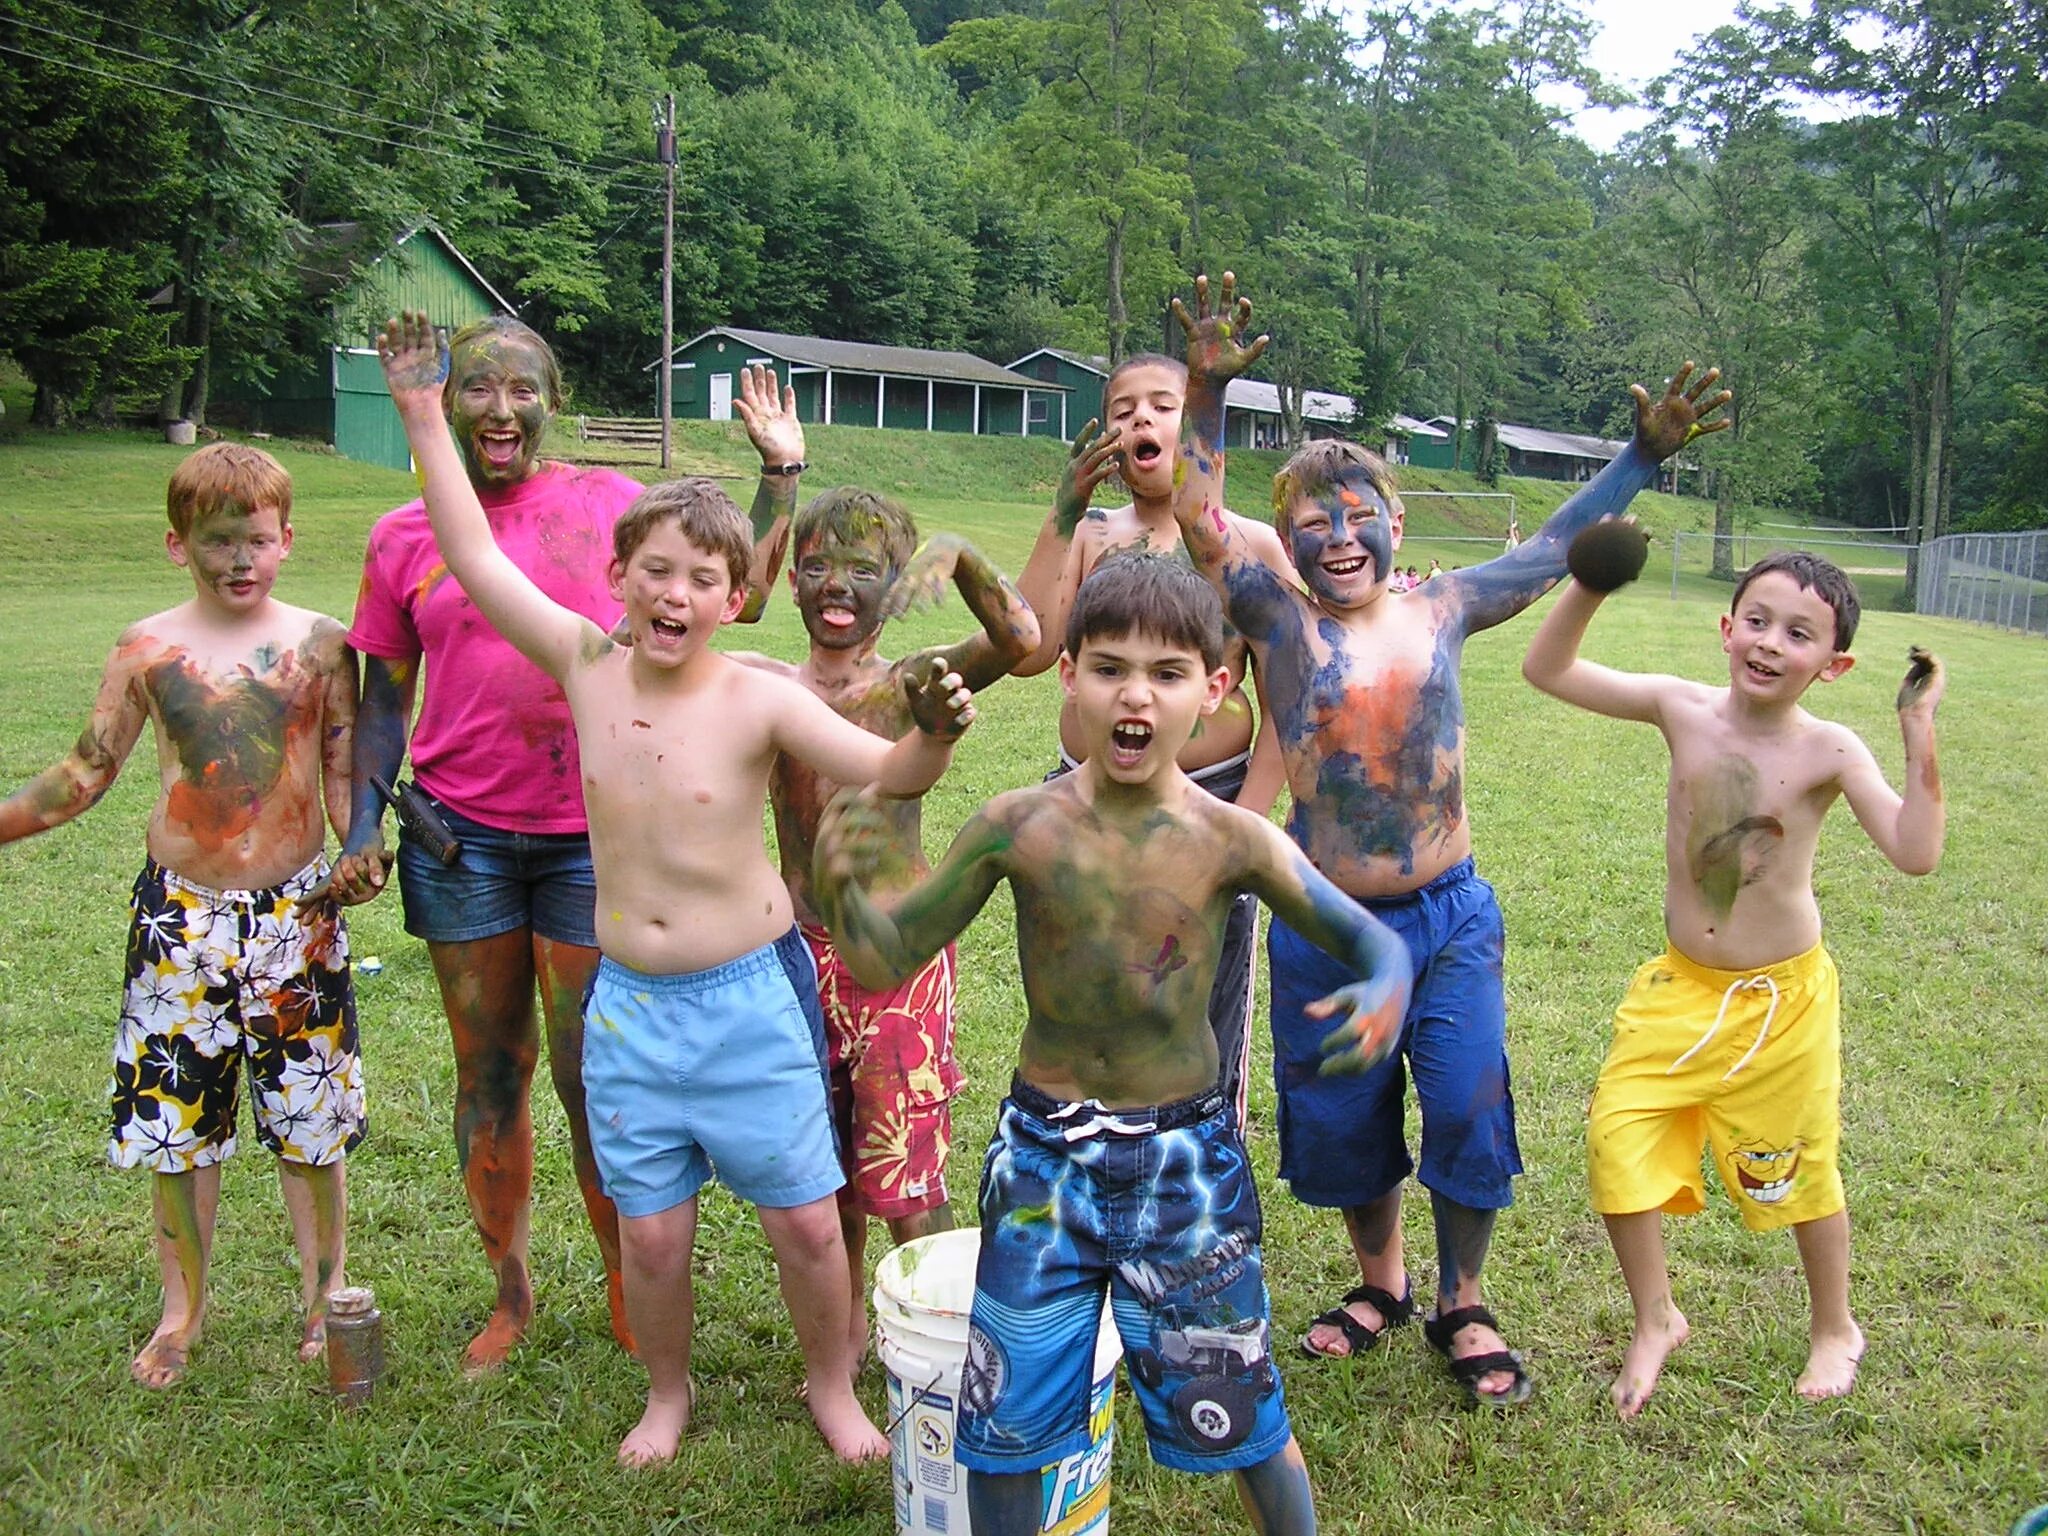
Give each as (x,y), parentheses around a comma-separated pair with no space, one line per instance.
(792,469)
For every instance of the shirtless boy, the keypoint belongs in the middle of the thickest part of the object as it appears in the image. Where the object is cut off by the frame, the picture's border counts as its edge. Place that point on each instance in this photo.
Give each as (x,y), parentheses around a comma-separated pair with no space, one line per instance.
(1226,755)
(857,564)
(1117,1161)
(231,958)
(1364,688)
(704,979)
(1733,1034)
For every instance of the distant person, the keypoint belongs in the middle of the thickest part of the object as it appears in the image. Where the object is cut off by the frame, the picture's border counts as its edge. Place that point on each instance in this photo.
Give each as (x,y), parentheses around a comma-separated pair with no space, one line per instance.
(856,562)
(1371,720)
(1434,570)
(1733,1035)
(1117,1164)
(1514,538)
(236,957)
(704,1050)
(494,752)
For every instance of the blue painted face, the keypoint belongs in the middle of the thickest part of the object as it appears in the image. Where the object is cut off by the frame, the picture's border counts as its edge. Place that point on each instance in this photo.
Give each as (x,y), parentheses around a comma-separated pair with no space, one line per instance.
(1342,541)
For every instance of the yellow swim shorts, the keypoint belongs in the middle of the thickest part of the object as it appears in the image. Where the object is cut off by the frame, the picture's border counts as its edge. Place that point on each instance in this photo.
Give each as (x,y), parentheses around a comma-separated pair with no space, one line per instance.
(1749,1061)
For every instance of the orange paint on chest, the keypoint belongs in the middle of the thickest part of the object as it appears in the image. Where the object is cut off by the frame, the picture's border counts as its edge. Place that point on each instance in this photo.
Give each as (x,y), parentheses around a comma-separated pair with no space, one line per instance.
(1371,720)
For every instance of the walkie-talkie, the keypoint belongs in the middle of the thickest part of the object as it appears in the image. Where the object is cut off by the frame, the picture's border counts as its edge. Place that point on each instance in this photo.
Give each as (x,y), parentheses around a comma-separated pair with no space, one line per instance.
(416,814)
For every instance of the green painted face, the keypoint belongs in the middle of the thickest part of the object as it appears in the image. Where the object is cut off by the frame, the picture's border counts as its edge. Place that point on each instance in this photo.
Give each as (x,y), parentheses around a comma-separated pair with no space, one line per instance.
(498,408)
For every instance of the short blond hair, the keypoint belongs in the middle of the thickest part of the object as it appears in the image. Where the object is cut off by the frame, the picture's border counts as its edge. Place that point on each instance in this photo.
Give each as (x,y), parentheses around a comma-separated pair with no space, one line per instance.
(1316,467)
(230,477)
(707,517)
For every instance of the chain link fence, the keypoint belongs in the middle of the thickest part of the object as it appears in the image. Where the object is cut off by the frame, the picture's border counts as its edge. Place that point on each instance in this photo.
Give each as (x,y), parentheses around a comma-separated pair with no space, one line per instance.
(1987,578)
(1877,564)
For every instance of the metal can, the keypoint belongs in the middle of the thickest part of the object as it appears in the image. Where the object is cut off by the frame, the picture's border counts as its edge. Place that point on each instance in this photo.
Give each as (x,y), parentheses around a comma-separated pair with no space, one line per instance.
(355,1344)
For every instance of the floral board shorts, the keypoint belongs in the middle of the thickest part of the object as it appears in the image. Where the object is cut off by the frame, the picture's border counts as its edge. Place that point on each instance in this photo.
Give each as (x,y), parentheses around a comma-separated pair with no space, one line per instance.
(218,977)
(893,1081)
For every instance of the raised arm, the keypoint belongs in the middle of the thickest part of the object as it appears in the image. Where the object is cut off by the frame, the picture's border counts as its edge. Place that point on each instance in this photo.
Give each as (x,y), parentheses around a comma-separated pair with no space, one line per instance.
(415,358)
(885,949)
(811,731)
(1554,665)
(1489,594)
(778,436)
(76,781)
(1054,570)
(1908,829)
(1254,595)
(1009,629)
(1367,1014)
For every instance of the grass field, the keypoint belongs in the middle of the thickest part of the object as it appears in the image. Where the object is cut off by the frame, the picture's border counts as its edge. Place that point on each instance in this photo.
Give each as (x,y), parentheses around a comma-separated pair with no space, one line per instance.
(1946,1146)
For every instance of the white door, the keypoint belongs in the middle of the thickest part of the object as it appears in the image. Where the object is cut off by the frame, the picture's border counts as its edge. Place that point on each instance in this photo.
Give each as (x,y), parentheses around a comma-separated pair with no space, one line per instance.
(721,397)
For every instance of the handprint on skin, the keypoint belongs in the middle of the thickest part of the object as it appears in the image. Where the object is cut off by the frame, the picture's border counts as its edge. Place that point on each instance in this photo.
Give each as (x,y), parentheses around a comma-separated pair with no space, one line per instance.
(1092,459)
(1214,351)
(414,352)
(1665,425)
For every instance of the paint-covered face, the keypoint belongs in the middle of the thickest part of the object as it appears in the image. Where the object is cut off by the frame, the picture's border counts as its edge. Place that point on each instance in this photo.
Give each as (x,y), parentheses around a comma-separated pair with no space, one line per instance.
(1145,405)
(1780,639)
(498,408)
(1136,700)
(675,595)
(233,555)
(839,585)
(1343,540)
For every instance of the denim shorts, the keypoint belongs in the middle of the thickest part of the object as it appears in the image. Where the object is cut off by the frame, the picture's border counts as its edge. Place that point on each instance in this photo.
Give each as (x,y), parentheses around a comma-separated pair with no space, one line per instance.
(1342,1139)
(502,882)
(716,1070)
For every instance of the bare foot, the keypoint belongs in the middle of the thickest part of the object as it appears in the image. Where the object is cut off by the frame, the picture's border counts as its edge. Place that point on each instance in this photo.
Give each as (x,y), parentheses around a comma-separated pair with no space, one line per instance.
(1644,1362)
(313,1340)
(488,1350)
(162,1360)
(843,1423)
(660,1430)
(1831,1365)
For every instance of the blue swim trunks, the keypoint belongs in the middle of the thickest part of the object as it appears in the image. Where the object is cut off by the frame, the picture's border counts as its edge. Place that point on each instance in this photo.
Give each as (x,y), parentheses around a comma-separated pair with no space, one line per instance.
(1158,1206)
(710,1070)
(1343,1140)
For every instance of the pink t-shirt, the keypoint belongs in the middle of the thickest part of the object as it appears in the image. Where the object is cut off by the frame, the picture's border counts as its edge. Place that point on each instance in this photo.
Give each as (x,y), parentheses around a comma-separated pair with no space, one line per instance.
(494,738)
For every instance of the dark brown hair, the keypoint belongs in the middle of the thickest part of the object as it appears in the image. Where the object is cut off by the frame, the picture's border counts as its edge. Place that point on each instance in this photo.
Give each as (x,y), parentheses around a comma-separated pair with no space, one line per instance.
(1159,596)
(1813,575)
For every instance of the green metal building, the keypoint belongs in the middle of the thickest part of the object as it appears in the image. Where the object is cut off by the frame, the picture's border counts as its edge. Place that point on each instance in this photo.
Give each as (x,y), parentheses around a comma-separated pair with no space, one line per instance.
(856,383)
(1083,377)
(336,392)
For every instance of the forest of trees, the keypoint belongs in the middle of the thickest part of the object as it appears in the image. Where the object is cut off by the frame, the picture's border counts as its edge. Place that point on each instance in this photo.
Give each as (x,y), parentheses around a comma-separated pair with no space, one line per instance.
(1842,205)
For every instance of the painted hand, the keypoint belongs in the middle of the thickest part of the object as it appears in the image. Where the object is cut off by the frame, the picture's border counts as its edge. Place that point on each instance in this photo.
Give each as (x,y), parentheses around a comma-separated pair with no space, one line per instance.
(1664,426)
(1926,681)
(923,582)
(1091,460)
(414,352)
(355,878)
(1372,1012)
(940,703)
(772,424)
(851,841)
(1216,350)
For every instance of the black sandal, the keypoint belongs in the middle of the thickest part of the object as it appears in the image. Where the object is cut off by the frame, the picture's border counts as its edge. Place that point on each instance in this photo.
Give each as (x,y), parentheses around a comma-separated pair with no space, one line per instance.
(1467,1369)
(1393,1310)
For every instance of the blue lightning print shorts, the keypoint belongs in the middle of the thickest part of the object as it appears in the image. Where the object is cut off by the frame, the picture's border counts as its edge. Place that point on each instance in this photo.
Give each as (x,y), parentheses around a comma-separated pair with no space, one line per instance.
(1158,1206)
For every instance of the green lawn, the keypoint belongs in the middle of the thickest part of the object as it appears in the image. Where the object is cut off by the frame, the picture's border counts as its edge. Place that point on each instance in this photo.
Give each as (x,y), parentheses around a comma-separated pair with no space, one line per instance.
(1946,1146)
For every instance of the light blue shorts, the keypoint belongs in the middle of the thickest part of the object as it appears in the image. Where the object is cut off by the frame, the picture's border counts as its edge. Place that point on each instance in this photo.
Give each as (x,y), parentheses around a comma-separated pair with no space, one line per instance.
(711,1070)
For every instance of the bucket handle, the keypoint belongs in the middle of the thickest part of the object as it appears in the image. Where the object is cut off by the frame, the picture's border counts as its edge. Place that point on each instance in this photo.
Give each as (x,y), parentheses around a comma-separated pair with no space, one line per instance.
(916,1397)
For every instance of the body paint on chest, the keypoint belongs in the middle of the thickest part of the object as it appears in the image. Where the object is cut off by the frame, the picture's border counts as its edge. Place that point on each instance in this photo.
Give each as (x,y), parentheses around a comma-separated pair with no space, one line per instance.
(1729,845)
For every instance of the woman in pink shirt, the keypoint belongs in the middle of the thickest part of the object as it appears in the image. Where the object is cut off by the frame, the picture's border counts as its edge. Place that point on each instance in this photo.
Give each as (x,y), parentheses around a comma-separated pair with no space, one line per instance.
(494,751)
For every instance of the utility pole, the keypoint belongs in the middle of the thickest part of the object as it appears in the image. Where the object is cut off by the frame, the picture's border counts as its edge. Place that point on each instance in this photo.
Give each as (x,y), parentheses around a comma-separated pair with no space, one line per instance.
(665,149)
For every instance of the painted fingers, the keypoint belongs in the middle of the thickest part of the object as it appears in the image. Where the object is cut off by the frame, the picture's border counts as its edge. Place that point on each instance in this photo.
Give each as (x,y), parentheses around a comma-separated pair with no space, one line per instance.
(1091,460)
(922,582)
(771,420)
(414,352)
(1371,1012)
(1216,349)
(851,839)
(1926,681)
(940,702)
(354,879)
(1665,425)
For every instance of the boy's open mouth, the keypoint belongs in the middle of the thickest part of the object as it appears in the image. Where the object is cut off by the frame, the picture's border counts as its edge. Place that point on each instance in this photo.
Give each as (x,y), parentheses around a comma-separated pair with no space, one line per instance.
(837,615)
(1761,672)
(1128,740)
(667,629)
(1347,567)
(1144,453)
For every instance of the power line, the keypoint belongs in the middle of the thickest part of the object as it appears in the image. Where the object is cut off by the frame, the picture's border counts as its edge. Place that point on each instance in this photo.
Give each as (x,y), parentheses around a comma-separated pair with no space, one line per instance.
(472,156)
(294,74)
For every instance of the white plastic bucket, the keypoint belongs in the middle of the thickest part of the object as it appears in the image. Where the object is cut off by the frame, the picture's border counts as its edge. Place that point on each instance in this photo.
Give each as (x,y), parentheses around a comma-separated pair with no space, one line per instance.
(924,1291)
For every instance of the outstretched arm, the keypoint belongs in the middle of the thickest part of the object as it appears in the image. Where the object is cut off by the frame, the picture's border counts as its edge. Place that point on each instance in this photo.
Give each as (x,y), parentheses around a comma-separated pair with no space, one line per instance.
(1053,571)
(1907,829)
(1554,665)
(813,733)
(885,949)
(1253,593)
(1367,1014)
(76,781)
(778,436)
(1489,594)
(415,358)
(1009,629)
